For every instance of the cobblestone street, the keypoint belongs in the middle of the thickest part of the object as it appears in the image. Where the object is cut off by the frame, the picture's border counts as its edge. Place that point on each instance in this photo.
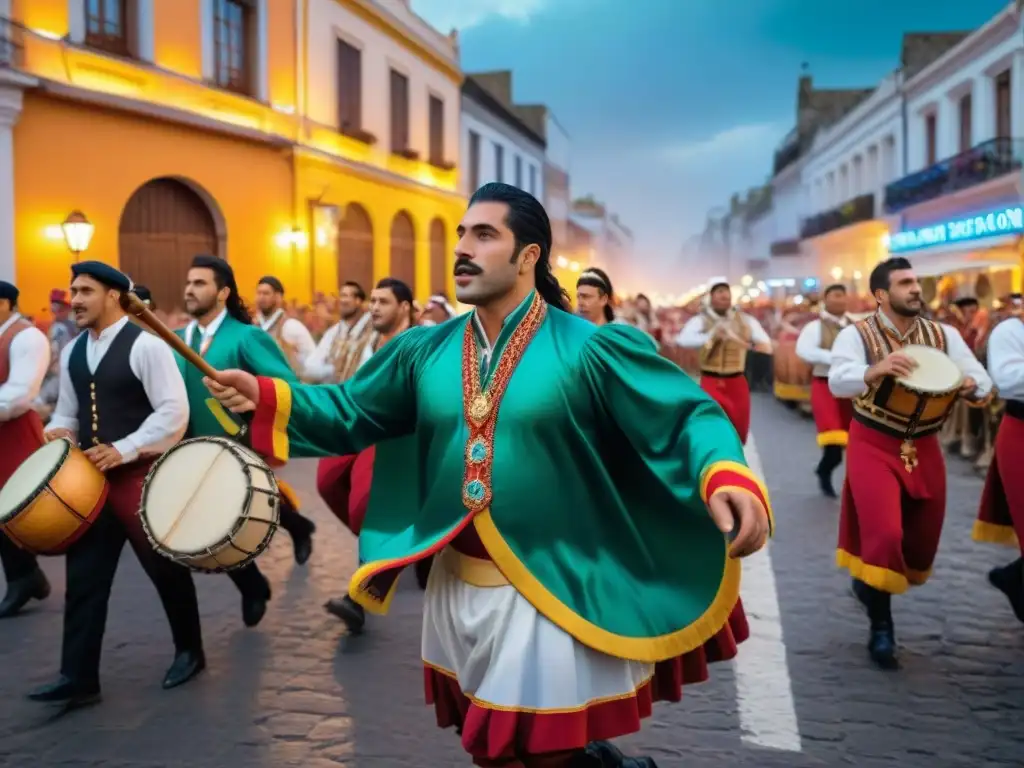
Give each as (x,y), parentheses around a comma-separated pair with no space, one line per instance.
(298,692)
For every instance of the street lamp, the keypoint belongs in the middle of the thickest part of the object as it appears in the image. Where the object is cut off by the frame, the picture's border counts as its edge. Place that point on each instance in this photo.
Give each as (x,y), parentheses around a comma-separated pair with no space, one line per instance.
(837,273)
(77,233)
(746,281)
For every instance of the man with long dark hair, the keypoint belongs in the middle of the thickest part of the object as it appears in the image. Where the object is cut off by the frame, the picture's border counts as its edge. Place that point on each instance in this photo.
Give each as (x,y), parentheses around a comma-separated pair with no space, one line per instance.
(578,565)
(223,333)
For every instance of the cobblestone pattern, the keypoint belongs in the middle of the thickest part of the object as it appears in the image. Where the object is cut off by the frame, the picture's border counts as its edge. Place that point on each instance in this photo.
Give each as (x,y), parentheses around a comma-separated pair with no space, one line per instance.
(298,692)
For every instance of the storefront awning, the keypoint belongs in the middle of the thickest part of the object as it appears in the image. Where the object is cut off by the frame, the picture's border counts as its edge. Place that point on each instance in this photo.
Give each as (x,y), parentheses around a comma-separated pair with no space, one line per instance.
(999,252)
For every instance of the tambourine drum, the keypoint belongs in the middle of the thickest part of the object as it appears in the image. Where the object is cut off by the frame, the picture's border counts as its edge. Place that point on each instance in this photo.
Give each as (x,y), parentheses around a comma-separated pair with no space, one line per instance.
(210,504)
(928,393)
(52,498)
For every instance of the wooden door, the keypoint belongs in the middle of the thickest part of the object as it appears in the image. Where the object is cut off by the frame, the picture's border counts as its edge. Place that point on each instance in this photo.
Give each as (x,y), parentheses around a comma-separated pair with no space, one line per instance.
(438,257)
(355,248)
(403,250)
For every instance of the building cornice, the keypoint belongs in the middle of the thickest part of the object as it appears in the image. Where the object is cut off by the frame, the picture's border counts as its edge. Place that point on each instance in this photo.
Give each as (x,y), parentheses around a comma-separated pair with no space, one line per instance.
(476,93)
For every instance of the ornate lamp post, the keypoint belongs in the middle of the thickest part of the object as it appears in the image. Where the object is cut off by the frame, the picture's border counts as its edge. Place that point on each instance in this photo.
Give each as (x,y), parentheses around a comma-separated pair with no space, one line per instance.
(78,231)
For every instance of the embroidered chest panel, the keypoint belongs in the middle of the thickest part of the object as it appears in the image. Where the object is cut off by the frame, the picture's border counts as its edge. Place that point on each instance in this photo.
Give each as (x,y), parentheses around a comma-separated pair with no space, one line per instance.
(726,356)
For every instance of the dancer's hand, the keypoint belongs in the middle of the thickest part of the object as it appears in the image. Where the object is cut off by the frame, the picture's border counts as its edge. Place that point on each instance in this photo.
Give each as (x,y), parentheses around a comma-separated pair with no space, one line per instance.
(236,390)
(740,514)
(104,457)
(969,387)
(896,364)
(56,434)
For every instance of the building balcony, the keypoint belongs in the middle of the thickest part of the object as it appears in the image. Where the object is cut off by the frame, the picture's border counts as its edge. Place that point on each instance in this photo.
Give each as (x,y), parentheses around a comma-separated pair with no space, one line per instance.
(861,208)
(989,160)
(11,44)
(785,248)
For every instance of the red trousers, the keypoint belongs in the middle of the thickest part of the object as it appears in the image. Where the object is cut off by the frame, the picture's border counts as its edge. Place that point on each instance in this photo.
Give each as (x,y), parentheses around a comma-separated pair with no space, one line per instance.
(733,394)
(891,519)
(344,484)
(1001,513)
(832,415)
(19,439)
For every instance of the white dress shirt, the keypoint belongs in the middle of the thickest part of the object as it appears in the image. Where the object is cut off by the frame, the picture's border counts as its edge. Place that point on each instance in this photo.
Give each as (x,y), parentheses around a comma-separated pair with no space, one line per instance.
(295,333)
(1006,358)
(850,361)
(692,336)
(153,363)
(319,365)
(29,355)
(808,344)
(207,332)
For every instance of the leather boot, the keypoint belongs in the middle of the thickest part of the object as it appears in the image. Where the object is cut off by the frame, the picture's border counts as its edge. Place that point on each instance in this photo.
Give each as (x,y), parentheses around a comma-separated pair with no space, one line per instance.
(1010,581)
(35,586)
(186,665)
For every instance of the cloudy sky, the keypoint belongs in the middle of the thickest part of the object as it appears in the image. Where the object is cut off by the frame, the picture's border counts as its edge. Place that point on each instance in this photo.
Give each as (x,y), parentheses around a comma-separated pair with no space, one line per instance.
(672,105)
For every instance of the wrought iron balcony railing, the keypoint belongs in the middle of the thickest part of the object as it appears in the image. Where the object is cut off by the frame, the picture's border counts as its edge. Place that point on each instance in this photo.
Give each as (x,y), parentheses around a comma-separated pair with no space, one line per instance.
(861,208)
(11,44)
(987,161)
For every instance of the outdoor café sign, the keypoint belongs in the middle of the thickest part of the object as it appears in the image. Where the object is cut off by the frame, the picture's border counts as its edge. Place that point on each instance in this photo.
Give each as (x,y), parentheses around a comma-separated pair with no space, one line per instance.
(1005,221)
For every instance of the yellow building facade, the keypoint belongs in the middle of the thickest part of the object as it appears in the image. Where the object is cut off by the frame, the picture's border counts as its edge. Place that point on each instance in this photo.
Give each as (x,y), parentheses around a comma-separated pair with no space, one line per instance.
(207,126)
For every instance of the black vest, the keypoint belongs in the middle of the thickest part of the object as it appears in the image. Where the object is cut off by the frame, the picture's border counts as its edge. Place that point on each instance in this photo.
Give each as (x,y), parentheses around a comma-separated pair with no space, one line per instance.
(112,403)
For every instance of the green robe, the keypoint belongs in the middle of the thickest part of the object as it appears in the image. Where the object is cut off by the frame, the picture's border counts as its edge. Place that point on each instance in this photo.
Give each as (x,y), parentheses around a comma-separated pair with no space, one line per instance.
(602,453)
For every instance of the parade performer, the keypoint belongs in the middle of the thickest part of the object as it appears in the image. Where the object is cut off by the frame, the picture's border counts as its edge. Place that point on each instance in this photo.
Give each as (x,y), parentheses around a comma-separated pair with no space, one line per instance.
(595,297)
(344,482)
(724,335)
(24,360)
(894,498)
(437,310)
(332,361)
(123,401)
(1001,514)
(291,335)
(567,491)
(222,333)
(831,414)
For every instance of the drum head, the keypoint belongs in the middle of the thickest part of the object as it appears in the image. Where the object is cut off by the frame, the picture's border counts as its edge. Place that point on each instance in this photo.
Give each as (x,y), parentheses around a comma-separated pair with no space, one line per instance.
(29,478)
(195,495)
(936,372)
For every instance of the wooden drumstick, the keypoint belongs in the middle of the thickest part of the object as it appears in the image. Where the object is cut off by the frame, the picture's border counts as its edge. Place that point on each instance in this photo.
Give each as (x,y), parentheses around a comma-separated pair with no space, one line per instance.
(133,305)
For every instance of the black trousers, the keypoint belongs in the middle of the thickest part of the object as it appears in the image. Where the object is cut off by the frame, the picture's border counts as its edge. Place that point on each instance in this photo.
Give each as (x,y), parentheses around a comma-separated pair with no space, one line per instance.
(16,561)
(249,580)
(91,564)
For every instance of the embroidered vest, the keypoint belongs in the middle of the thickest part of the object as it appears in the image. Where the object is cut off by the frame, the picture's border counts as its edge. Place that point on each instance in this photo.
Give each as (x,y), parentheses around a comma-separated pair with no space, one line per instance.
(290,352)
(869,408)
(348,352)
(726,357)
(829,331)
(6,339)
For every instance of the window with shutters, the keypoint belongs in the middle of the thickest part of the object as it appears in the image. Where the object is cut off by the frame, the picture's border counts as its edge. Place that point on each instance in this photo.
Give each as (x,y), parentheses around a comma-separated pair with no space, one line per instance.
(930,139)
(109,25)
(519,171)
(965,123)
(234,37)
(350,89)
(436,132)
(474,161)
(400,116)
(499,162)
(1004,104)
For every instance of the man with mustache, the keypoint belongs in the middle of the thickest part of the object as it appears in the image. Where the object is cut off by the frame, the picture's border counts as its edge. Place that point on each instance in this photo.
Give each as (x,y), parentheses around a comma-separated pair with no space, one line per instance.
(894,498)
(563,473)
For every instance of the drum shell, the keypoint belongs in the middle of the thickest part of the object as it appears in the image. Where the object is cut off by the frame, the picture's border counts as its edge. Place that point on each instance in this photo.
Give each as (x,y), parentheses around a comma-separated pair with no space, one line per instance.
(904,401)
(792,375)
(45,526)
(250,538)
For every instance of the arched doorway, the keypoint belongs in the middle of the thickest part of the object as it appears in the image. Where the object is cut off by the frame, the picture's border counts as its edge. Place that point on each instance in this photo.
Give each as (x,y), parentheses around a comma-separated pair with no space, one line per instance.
(355,248)
(165,223)
(438,256)
(403,250)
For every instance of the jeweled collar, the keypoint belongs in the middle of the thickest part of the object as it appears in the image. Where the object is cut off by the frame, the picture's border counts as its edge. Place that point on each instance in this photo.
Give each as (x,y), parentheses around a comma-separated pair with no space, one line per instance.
(491,352)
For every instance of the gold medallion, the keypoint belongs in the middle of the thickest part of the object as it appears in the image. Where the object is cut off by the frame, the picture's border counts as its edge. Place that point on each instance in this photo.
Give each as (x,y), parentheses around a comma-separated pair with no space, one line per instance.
(480,408)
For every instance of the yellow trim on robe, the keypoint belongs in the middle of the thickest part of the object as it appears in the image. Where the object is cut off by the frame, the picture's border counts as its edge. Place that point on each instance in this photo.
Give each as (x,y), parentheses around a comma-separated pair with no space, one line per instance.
(875,575)
(475,571)
(644,649)
(833,437)
(282,414)
(220,413)
(748,473)
(364,598)
(792,392)
(289,493)
(993,533)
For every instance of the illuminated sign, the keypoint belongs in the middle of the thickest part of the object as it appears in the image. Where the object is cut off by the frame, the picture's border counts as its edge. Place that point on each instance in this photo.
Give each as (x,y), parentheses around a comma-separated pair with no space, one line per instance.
(1005,221)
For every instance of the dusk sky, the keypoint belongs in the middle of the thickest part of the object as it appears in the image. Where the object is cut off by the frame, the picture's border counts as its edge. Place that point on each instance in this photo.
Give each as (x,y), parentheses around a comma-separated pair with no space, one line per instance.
(673,105)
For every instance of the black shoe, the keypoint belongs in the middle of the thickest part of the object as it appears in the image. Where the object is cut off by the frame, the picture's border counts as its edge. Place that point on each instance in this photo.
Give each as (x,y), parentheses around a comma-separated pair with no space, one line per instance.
(35,586)
(185,666)
(882,646)
(254,607)
(1010,581)
(607,755)
(67,693)
(349,611)
(860,591)
(303,545)
(825,483)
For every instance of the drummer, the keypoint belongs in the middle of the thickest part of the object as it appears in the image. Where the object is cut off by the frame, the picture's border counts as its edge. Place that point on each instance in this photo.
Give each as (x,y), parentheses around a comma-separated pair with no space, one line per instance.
(24,360)
(223,333)
(831,414)
(122,400)
(894,499)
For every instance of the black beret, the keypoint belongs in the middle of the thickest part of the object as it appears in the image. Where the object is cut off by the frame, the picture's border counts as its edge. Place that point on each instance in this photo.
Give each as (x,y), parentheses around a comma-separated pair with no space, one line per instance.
(273,282)
(8,291)
(103,273)
(143,293)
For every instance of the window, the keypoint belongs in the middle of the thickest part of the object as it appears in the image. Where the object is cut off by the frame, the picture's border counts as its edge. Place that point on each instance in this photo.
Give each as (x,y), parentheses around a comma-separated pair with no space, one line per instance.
(350,89)
(499,162)
(930,137)
(533,180)
(107,25)
(519,171)
(436,131)
(233,37)
(1004,102)
(474,161)
(399,113)
(965,123)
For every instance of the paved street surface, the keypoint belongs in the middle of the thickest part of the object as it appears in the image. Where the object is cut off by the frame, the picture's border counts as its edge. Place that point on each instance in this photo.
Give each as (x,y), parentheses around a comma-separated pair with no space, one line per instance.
(298,692)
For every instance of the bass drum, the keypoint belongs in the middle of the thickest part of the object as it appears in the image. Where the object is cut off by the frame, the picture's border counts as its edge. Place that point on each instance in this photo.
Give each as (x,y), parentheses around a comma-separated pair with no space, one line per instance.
(792,375)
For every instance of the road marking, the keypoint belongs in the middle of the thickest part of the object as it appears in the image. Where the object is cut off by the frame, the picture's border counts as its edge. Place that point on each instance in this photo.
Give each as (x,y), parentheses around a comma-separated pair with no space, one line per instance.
(764,691)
